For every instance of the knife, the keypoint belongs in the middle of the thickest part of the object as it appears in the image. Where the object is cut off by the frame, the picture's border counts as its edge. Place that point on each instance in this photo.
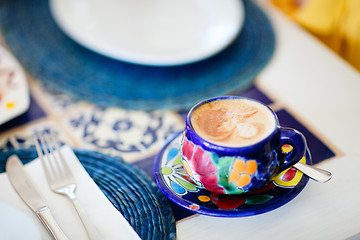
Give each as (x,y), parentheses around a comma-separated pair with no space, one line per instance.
(30,195)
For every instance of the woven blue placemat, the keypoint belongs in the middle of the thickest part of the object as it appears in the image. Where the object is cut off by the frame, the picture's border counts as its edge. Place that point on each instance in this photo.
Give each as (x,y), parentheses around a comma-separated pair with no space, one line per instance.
(128,188)
(60,63)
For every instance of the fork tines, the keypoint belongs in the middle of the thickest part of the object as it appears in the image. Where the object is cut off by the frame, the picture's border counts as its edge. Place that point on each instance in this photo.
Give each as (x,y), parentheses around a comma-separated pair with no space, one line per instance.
(50,154)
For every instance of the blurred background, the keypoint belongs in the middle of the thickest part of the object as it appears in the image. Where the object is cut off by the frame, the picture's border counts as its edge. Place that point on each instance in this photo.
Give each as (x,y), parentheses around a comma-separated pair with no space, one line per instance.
(334,22)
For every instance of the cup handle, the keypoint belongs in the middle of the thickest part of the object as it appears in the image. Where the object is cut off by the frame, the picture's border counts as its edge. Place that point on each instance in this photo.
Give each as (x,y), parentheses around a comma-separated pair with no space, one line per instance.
(295,139)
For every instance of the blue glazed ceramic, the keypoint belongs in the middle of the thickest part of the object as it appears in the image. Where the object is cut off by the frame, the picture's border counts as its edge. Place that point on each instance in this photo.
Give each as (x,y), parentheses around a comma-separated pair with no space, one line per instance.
(177,185)
(227,169)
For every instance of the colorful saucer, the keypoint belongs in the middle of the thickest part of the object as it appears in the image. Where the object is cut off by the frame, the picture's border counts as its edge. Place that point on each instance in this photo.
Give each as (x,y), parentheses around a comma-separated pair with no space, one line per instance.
(175,183)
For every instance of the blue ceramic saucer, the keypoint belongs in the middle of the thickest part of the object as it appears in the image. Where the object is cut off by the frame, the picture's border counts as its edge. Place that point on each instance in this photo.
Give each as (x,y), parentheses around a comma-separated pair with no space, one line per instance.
(176,184)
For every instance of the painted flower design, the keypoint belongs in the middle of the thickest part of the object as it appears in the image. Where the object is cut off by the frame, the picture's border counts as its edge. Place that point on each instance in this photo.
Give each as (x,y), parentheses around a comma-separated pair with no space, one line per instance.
(175,175)
(178,180)
(289,178)
(199,166)
(242,172)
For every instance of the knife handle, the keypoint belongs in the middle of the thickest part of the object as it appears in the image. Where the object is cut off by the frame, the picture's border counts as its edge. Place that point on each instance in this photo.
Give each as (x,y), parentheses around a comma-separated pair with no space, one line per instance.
(50,223)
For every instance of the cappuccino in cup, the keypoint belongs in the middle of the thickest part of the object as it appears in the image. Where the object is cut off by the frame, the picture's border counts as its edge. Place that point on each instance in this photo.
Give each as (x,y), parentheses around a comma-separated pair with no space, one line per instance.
(236,122)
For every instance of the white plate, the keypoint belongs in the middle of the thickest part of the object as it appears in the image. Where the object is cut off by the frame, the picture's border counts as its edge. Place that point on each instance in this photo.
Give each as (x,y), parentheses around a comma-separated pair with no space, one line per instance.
(151,32)
(14,90)
(16,225)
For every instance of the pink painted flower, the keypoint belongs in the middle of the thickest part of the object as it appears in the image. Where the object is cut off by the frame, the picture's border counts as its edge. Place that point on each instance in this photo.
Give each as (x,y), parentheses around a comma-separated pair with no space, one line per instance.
(202,164)
(187,149)
(210,182)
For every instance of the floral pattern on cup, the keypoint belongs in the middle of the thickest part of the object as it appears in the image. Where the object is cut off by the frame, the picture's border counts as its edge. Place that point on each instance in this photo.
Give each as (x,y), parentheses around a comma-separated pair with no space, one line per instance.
(290,177)
(242,172)
(205,172)
(175,175)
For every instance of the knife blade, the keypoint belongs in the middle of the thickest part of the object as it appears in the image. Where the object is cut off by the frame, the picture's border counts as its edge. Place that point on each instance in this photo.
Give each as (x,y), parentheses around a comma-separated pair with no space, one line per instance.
(26,189)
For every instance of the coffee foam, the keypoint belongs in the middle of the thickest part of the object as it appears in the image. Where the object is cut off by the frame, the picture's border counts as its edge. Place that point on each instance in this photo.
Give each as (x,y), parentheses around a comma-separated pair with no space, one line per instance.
(233,122)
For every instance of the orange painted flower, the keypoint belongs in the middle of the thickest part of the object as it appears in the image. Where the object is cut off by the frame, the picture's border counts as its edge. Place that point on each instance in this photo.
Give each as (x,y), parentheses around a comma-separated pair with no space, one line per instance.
(242,172)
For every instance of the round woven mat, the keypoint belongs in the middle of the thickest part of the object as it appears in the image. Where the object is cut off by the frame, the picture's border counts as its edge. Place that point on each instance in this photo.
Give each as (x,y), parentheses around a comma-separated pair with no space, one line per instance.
(128,188)
(60,63)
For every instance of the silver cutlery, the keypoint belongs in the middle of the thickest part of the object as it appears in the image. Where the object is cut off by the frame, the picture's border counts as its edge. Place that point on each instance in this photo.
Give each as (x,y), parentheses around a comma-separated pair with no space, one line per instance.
(317,174)
(59,176)
(30,195)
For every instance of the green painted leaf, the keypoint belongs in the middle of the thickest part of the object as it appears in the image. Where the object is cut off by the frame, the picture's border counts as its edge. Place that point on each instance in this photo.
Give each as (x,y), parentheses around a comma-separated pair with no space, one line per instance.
(224,167)
(258,199)
(234,191)
(186,184)
(177,161)
(226,162)
(166,170)
(214,157)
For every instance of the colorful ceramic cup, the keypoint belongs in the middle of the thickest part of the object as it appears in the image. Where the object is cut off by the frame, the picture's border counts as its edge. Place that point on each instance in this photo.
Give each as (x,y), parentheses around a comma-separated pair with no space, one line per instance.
(234,168)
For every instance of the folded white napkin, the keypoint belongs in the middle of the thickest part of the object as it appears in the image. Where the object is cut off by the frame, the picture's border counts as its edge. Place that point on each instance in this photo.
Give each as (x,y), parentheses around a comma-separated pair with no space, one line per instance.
(109,222)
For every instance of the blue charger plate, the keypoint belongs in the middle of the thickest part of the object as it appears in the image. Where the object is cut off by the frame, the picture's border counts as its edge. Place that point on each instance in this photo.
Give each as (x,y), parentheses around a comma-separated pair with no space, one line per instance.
(65,66)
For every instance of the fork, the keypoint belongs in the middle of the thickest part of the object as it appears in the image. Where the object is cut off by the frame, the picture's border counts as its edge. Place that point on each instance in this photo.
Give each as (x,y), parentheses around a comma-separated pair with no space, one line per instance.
(59,176)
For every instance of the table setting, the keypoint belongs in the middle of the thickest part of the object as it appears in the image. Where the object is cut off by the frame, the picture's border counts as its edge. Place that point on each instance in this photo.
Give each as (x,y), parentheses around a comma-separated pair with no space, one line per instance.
(99,106)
